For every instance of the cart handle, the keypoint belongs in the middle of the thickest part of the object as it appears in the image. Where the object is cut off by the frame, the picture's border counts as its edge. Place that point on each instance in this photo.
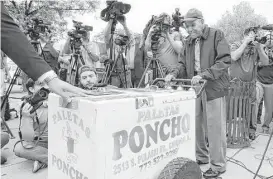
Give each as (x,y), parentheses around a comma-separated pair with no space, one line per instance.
(203,84)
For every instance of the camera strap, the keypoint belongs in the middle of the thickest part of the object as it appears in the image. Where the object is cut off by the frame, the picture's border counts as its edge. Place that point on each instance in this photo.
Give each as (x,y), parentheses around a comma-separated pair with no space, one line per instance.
(39,130)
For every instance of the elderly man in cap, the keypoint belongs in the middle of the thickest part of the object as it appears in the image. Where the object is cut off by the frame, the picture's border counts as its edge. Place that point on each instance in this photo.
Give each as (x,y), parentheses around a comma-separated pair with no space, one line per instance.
(206,56)
(121,76)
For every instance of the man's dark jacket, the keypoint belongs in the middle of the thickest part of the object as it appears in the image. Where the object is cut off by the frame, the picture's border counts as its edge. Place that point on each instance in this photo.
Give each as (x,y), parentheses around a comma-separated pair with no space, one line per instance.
(51,56)
(214,58)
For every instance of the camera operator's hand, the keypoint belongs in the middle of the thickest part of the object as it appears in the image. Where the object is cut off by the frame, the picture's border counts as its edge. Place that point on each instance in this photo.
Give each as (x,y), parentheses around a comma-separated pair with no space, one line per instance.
(26,110)
(112,16)
(258,45)
(103,58)
(149,54)
(122,20)
(45,105)
(249,38)
(64,59)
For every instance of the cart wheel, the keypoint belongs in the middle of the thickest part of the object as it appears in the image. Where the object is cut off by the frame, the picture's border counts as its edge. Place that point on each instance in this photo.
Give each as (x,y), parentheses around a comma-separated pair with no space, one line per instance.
(181,168)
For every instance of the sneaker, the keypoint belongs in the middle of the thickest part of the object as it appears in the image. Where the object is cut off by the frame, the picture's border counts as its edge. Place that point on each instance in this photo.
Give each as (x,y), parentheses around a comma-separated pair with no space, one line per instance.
(265,129)
(38,165)
(3,160)
(201,163)
(252,136)
(212,174)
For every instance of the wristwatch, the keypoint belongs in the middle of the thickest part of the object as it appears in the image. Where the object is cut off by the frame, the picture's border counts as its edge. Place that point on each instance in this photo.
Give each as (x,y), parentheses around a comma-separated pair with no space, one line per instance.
(47,77)
(50,78)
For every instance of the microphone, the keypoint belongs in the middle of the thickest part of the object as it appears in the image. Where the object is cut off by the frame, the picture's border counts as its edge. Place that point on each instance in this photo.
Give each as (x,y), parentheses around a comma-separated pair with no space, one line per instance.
(268,27)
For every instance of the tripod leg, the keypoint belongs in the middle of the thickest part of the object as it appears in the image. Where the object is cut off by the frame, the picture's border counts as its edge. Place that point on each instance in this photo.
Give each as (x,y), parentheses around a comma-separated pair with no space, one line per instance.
(160,69)
(144,73)
(73,71)
(112,69)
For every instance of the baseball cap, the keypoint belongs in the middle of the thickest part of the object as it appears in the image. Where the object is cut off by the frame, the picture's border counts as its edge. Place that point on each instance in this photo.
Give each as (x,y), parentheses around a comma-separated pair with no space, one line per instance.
(85,68)
(193,14)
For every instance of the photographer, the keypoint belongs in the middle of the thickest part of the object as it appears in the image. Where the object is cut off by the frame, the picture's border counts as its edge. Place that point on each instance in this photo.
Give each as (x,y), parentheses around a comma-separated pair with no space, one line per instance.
(265,84)
(34,127)
(245,57)
(87,50)
(118,76)
(169,47)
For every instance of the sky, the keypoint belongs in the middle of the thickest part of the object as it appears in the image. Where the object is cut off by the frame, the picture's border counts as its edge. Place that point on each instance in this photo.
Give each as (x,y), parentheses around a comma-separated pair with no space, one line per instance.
(142,11)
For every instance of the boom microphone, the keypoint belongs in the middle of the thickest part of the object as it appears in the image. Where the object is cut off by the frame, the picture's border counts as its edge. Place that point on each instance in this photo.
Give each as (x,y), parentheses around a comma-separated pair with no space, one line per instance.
(268,27)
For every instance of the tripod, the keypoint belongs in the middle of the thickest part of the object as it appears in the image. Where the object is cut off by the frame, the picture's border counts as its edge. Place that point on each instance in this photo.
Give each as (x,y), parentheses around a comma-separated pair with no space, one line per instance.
(74,65)
(110,67)
(36,44)
(156,67)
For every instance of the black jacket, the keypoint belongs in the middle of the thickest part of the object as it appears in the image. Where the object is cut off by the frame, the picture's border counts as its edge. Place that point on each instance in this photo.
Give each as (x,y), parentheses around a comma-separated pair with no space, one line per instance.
(214,58)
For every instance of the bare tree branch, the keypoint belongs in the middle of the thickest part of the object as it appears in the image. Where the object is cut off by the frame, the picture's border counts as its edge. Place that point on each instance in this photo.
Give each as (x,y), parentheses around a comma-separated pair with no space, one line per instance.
(26,9)
(35,11)
(29,5)
(15,5)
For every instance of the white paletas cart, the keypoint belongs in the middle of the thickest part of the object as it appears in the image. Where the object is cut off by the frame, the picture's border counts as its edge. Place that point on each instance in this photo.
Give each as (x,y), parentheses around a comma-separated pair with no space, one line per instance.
(123,134)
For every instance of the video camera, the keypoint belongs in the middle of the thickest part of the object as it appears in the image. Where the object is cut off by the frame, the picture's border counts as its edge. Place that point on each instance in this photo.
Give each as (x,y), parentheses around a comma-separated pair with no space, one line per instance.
(121,40)
(162,24)
(115,8)
(258,39)
(79,32)
(36,100)
(177,19)
(35,27)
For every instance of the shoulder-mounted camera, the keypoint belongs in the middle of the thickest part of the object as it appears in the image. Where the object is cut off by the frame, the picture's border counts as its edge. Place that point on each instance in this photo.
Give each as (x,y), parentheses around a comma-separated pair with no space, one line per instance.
(35,27)
(114,8)
(121,40)
(79,32)
(178,20)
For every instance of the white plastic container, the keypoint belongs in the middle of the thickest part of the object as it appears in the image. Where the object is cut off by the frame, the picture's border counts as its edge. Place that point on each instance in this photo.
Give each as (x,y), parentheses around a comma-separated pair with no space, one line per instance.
(128,134)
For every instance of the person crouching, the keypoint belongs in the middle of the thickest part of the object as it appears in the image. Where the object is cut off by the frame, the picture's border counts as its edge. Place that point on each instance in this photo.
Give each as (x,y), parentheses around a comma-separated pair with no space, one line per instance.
(34,130)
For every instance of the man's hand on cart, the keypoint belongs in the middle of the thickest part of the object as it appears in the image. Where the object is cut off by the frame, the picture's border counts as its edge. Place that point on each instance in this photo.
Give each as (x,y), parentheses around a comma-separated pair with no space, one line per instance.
(196,79)
(169,78)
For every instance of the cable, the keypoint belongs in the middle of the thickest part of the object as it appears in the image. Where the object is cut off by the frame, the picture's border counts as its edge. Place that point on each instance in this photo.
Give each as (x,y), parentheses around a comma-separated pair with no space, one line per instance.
(266,148)
(241,164)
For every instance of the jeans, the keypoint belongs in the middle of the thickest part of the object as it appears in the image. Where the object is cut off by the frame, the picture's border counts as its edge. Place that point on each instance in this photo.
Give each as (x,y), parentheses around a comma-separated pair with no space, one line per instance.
(40,152)
(211,141)
(265,91)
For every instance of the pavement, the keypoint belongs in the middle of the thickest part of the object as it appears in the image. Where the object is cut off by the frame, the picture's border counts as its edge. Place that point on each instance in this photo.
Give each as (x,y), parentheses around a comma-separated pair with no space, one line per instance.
(18,168)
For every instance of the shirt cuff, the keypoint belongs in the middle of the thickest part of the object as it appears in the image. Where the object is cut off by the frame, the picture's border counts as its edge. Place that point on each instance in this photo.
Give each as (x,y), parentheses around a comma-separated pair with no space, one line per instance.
(47,75)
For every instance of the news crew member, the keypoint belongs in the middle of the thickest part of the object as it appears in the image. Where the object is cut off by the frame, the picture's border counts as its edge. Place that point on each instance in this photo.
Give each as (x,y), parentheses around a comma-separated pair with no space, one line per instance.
(245,56)
(32,130)
(170,46)
(265,84)
(207,56)
(130,52)
(16,46)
